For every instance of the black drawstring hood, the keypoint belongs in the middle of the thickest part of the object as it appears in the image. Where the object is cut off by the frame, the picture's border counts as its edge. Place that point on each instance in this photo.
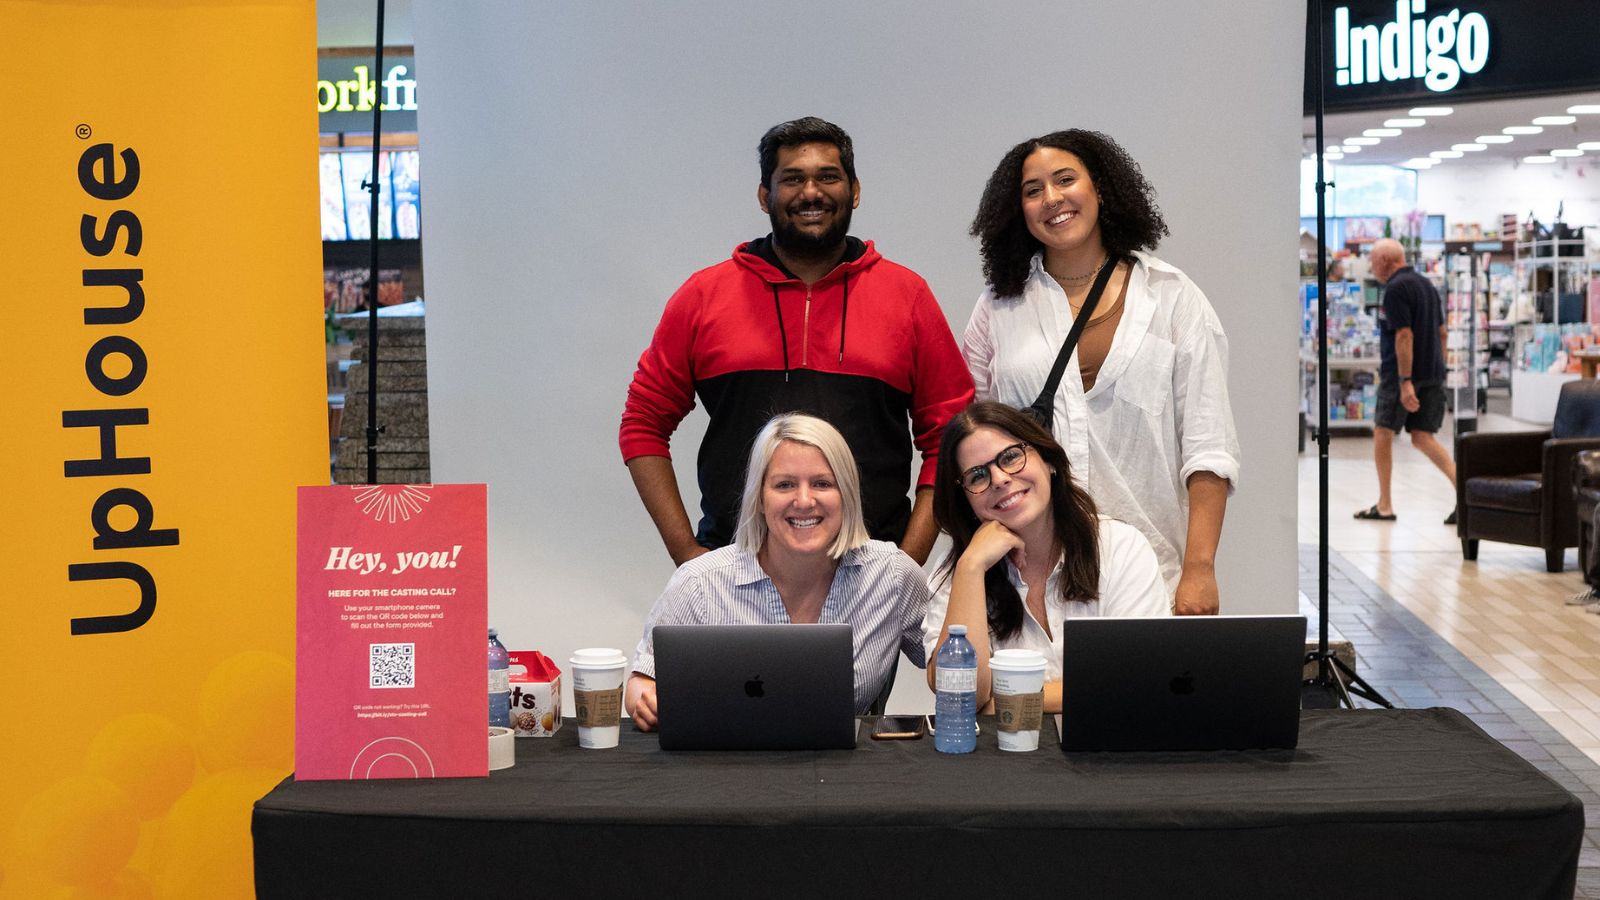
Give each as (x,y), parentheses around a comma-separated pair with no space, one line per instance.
(854,249)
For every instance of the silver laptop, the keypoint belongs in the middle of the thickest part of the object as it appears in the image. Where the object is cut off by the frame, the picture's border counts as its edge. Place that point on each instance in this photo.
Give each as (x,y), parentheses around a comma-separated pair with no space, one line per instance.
(1182,683)
(755,687)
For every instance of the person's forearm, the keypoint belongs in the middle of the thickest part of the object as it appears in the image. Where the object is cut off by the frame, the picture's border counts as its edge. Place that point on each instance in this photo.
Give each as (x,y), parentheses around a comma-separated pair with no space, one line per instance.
(1402,352)
(1208,503)
(657,485)
(967,607)
(921,530)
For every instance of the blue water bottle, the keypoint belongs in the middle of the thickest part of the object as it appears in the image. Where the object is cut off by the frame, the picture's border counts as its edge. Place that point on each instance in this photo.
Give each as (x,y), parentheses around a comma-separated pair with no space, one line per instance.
(956,728)
(499,682)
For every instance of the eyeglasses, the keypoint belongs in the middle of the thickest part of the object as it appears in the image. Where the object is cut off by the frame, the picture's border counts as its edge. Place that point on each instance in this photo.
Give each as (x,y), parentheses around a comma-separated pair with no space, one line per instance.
(1011,460)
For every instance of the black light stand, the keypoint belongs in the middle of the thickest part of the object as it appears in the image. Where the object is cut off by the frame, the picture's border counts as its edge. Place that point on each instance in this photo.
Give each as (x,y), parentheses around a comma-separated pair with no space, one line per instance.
(374,185)
(1334,682)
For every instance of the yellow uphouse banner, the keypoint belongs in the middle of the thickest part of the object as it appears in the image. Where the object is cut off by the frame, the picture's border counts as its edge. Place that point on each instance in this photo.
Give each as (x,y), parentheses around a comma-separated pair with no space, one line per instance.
(162,396)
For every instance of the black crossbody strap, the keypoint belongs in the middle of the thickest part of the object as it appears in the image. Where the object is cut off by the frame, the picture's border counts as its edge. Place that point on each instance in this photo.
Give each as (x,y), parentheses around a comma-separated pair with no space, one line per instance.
(1043,409)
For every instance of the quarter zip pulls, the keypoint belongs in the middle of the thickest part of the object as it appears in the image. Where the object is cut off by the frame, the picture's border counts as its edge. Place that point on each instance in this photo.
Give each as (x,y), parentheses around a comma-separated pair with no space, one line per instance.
(759,256)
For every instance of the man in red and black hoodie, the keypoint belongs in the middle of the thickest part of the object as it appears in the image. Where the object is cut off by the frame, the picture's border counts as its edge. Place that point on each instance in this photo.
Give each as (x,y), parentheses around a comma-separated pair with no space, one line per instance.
(806,319)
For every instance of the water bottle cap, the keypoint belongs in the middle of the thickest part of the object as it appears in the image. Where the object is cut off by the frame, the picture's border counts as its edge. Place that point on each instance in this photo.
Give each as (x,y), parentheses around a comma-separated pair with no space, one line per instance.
(958,631)
(493,633)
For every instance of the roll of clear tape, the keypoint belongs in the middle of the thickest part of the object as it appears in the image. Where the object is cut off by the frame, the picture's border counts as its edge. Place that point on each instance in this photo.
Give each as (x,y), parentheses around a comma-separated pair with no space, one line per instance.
(502,748)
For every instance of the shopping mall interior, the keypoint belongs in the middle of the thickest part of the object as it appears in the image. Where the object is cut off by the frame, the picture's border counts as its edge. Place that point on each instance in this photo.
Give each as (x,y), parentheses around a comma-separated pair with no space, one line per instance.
(1493,189)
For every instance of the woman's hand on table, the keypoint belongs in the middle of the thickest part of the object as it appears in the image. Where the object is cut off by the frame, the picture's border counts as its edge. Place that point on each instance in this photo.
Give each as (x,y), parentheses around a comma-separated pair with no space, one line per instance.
(640,701)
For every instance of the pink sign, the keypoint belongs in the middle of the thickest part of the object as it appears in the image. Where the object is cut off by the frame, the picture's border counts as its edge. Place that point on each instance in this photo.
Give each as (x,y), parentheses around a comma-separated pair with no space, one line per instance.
(390,668)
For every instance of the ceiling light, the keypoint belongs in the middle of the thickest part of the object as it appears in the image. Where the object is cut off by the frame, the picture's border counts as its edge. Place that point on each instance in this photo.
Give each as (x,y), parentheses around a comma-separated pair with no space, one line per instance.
(1522,129)
(1586,109)
(1382,132)
(1566,152)
(1469,148)
(1494,138)
(1555,120)
(1447,154)
(1432,111)
(1538,160)
(1362,141)
(1420,163)
(1349,148)
(1412,123)
(1589,145)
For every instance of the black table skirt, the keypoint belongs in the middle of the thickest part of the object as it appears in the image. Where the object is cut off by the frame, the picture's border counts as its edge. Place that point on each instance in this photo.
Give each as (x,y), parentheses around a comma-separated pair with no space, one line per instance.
(1373,804)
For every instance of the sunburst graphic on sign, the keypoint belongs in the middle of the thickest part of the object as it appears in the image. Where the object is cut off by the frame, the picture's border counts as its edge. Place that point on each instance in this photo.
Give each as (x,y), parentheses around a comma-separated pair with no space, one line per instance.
(391,502)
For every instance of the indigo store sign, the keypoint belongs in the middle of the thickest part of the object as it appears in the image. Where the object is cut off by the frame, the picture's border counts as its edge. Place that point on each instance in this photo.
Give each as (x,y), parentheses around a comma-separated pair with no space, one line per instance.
(1389,53)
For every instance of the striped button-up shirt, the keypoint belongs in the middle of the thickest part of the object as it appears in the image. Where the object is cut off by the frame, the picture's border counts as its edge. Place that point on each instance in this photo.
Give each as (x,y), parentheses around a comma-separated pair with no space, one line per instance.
(877,590)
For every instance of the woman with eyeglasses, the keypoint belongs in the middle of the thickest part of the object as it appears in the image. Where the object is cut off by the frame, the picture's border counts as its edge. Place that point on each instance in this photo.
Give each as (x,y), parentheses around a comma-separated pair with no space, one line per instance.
(1142,408)
(1028,550)
(800,555)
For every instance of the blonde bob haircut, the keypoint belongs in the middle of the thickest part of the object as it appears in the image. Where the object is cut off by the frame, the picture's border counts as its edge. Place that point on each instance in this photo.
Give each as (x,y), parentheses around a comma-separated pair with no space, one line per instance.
(812,432)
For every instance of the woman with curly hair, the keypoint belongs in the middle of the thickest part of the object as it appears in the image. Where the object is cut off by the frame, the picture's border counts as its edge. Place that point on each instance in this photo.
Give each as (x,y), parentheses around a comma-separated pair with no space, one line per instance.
(1143,412)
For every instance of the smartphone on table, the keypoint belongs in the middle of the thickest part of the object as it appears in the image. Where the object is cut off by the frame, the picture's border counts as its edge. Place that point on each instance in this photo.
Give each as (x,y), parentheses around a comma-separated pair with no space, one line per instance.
(899,728)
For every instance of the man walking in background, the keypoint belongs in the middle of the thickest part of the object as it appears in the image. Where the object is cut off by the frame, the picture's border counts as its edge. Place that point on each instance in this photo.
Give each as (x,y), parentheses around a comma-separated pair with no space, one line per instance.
(1411,371)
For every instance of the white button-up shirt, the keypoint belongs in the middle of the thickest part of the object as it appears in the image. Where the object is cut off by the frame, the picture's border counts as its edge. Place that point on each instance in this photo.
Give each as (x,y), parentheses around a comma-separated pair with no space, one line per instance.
(1130,585)
(1158,411)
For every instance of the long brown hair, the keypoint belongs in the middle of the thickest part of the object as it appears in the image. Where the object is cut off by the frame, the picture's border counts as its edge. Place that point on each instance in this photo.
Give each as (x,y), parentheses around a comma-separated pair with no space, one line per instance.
(1072,513)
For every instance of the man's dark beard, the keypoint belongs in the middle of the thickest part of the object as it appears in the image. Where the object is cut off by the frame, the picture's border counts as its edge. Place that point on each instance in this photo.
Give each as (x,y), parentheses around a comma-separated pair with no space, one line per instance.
(797,243)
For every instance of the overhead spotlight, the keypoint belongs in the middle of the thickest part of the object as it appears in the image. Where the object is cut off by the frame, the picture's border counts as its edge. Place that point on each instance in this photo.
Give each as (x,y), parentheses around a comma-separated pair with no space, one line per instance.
(1447,154)
(1555,120)
(1494,138)
(1382,132)
(1585,109)
(1571,152)
(1538,160)
(1412,123)
(1363,141)
(1349,148)
(1432,111)
(1469,148)
(1522,129)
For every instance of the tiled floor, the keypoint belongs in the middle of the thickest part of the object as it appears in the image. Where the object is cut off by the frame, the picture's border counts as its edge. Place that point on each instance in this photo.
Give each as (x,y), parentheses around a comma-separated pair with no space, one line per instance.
(1491,638)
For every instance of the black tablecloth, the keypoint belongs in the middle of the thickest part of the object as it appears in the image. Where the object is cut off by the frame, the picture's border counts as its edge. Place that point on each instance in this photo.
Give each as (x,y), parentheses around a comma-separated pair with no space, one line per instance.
(1373,803)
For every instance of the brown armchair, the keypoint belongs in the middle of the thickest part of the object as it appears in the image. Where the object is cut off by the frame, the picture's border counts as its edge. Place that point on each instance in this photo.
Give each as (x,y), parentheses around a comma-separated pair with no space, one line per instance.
(1585,497)
(1516,487)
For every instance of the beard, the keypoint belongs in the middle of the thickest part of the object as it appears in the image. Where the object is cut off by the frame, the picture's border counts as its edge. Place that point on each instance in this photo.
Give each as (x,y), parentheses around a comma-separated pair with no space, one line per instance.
(802,244)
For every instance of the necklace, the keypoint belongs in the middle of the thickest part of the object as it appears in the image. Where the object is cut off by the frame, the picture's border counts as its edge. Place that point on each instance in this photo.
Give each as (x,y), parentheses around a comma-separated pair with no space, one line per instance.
(1080,279)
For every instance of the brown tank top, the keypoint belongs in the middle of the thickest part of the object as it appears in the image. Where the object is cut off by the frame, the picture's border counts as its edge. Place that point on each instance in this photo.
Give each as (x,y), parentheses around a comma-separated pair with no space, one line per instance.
(1095,342)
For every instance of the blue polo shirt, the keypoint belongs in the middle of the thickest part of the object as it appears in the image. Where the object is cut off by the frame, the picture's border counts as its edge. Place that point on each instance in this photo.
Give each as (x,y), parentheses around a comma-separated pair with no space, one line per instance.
(1410,301)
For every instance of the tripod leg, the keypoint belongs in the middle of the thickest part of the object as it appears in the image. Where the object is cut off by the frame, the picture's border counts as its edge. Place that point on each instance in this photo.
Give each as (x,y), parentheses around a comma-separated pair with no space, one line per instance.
(1359,685)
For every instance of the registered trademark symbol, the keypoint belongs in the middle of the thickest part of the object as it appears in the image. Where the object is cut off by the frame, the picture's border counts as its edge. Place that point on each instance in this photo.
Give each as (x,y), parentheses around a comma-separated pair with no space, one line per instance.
(83,132)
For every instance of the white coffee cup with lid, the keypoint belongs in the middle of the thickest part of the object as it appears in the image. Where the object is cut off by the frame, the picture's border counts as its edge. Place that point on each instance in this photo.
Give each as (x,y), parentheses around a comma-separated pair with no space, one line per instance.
(597,676)
(1017,677)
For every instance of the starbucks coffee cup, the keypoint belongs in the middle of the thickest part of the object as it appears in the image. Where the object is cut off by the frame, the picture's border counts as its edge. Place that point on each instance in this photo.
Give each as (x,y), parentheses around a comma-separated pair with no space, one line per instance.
(1017,677)
(597,676)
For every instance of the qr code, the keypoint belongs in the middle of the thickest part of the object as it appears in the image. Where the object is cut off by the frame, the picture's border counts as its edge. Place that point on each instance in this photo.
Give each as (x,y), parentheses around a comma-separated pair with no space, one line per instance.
(392,665)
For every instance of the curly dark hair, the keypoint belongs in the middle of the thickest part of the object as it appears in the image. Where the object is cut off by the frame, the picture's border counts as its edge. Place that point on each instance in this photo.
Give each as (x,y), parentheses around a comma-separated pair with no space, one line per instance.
(1129,217)
(809,130)
(1072,509)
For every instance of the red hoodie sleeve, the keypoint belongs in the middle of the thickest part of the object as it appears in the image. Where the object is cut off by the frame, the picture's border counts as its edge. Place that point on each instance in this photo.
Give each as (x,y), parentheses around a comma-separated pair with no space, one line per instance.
(662,391)
(941,385)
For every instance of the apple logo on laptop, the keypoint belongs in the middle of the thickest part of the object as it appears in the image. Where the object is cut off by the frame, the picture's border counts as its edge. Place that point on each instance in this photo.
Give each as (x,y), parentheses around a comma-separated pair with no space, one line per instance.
(1182,684)
(752,688)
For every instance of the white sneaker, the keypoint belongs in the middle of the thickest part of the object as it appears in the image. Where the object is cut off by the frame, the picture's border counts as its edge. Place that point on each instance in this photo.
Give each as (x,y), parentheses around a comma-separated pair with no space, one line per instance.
(1586,597)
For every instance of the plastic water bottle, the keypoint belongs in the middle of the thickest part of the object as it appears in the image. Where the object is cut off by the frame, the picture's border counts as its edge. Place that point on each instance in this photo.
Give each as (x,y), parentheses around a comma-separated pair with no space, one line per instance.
(499,682)
(956,728)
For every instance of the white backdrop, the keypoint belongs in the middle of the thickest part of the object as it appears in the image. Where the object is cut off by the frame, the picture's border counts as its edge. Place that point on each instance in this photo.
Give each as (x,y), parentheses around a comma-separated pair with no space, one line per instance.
(582,159)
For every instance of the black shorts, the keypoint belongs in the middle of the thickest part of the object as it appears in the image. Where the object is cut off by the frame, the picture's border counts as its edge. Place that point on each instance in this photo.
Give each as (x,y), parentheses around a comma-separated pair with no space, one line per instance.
(1391,415)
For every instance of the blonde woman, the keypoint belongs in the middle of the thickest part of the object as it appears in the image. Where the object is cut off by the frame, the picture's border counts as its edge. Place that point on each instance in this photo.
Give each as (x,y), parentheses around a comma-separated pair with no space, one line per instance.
(800,555)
